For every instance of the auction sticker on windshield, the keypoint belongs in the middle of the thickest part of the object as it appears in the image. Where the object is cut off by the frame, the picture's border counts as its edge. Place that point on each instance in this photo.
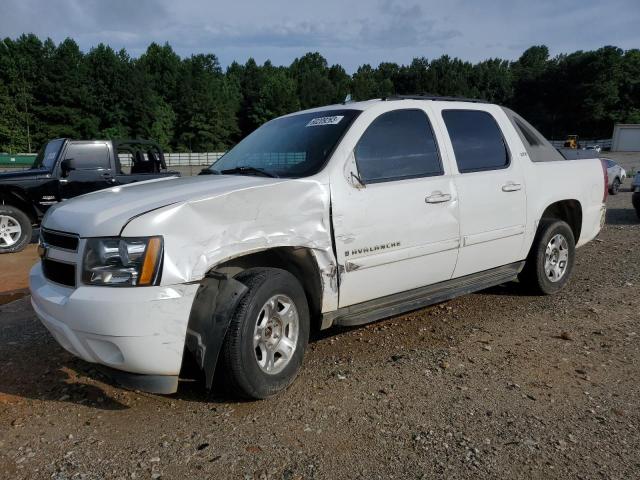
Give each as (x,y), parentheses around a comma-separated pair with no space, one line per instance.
(316,122)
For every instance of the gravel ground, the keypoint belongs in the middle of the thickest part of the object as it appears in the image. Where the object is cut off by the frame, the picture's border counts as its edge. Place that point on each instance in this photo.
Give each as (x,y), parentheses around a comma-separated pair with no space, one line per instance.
(492,385)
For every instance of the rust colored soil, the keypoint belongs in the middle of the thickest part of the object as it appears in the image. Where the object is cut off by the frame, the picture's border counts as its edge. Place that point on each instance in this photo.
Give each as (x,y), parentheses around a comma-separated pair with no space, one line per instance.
(14,273)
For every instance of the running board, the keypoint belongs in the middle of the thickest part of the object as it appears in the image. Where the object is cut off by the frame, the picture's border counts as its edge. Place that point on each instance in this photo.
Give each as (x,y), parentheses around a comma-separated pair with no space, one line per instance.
(403,302)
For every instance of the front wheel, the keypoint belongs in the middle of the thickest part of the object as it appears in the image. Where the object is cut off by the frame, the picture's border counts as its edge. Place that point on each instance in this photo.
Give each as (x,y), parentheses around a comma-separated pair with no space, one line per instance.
(15,229)
(550,261)
(268,334)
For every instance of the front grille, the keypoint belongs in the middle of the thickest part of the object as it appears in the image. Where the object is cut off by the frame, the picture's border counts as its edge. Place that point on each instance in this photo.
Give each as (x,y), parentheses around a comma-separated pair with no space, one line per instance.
(68,241)
(59,272)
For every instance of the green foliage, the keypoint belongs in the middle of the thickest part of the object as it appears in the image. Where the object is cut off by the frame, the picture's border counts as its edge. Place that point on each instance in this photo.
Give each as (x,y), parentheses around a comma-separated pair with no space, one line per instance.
(163,122)
(266,92)
(206,115)
(13,135)
(311,74)
(189,104)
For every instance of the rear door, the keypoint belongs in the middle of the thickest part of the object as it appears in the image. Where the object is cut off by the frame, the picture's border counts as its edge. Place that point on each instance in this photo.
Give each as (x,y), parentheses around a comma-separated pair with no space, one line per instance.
(396,228)
(92,169)
(491,189)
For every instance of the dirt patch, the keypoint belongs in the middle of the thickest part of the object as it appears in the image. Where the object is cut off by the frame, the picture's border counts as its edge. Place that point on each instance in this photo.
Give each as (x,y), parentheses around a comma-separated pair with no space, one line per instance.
(492,385)
(14,273)
(13,295)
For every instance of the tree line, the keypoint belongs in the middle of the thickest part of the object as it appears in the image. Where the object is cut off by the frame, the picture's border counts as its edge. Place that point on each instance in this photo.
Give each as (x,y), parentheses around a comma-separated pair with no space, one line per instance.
(50,90)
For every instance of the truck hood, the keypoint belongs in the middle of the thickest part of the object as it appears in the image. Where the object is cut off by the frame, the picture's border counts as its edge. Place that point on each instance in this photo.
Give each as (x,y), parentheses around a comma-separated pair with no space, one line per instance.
(106,212)
(23,175)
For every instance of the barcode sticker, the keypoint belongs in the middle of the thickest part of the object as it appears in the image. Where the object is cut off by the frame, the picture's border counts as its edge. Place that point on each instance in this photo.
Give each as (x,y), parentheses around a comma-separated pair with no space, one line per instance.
(316,122)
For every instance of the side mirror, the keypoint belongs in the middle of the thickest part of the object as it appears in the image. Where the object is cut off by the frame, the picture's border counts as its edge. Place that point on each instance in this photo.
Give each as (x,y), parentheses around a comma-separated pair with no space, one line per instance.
(350,169)
(66,166)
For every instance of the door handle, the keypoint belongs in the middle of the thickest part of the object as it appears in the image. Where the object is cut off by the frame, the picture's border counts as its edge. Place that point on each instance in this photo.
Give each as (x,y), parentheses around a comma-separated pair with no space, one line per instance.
(511,187)
(438,197)
(63,181)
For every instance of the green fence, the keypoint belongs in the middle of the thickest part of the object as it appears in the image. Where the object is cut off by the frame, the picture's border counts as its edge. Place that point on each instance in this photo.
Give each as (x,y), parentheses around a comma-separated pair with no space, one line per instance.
(17,159)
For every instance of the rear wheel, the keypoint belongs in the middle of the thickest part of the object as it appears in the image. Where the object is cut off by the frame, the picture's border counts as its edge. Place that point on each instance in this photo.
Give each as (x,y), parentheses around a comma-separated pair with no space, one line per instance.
(550,262)
(15,229)
(635,199)
(267,336)
(615,186)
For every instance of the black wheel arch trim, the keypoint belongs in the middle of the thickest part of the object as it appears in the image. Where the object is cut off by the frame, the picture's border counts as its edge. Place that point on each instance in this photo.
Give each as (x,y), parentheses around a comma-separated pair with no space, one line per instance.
(22,201)
(215,302)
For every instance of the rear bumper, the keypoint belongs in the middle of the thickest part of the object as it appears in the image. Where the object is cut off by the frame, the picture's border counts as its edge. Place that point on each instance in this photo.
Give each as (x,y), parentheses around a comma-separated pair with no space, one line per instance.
(593,219)
(139,331)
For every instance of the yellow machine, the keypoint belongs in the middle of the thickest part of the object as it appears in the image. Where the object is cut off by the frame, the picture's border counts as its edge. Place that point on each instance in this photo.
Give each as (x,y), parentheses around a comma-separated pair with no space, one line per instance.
(572,142)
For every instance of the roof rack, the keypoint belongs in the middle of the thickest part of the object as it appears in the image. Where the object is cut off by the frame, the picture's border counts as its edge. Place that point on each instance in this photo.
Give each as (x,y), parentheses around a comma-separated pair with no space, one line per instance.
(434,97)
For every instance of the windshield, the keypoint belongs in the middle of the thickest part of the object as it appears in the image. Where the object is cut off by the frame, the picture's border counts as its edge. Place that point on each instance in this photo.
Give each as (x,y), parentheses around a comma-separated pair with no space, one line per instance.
(46,157)
(294,146)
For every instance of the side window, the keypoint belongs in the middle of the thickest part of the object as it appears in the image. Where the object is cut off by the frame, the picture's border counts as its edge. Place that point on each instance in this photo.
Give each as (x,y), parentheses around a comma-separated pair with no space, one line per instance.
(477,140)
(397,145)
(88,156)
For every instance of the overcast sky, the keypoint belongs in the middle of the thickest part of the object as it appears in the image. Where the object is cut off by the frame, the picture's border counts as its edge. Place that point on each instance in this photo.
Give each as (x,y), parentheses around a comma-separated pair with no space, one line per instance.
(349,32)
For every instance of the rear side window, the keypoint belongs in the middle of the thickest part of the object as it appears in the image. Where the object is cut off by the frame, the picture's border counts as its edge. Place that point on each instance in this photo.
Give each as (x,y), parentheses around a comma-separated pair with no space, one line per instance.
(398,145)
(477,140)
(88,156)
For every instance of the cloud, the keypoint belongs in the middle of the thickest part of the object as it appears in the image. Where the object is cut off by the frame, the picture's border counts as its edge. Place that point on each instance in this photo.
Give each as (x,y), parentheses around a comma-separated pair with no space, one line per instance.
(395,26)
(402,25)
(350,32)
(392,25)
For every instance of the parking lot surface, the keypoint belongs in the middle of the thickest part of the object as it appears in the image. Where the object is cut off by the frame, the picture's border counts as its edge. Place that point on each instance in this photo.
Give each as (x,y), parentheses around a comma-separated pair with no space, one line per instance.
(14,272)
(496,384)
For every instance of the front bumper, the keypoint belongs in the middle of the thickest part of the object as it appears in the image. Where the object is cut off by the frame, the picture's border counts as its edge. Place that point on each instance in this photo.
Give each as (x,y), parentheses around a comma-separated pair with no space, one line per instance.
(137,330)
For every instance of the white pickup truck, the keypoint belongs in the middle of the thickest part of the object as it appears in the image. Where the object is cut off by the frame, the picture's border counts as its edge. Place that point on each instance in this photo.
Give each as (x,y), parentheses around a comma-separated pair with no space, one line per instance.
(339,215)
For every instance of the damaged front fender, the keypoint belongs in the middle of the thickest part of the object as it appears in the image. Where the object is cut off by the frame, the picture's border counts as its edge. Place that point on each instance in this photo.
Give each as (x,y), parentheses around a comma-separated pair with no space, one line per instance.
(215,302)
(263,214)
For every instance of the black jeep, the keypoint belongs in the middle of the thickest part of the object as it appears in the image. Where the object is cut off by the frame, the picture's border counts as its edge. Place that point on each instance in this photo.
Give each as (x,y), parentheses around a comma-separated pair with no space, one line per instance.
(67,168)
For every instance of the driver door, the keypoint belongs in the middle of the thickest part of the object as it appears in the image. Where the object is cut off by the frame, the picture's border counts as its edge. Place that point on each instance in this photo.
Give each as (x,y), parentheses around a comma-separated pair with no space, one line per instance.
(91,169)
(398,229)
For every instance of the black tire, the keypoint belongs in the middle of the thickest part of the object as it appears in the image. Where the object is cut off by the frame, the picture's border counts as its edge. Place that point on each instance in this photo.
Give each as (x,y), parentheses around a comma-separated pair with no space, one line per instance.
(615,186)
(240,370)
(23,220)
(533,276)
(635,200)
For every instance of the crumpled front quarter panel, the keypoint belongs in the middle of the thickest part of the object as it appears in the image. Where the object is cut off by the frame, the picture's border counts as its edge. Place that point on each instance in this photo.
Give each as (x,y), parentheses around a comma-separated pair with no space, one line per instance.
(203,233)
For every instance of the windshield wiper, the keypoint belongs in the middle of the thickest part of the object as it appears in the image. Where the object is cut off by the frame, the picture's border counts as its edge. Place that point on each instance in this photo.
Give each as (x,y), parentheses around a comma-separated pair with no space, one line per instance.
(249,171)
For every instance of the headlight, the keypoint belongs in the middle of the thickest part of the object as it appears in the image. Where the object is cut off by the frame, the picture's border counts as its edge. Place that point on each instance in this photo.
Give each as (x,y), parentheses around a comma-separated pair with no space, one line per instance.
(122,262)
